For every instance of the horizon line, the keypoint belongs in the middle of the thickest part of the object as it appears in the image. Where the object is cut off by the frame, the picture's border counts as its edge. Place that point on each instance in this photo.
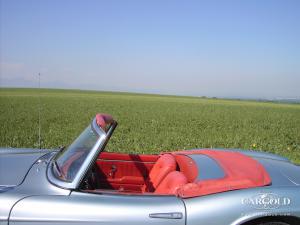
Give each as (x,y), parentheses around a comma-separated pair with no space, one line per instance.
(275,99)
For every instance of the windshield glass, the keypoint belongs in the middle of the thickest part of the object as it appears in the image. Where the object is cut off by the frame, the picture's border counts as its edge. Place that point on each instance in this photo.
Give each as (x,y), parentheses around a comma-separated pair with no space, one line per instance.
(69,161)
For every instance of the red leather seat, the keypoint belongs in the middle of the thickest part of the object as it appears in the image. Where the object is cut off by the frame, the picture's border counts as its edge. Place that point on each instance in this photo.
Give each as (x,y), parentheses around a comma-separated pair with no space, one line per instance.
(171,183)
(163,166)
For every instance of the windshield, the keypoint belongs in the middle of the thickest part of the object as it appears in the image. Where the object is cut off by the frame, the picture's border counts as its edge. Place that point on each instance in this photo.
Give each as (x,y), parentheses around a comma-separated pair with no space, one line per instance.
(69,161)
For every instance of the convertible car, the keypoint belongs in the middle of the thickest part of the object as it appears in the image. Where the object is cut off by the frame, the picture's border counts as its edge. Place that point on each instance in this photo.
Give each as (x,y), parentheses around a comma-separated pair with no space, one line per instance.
(82,184)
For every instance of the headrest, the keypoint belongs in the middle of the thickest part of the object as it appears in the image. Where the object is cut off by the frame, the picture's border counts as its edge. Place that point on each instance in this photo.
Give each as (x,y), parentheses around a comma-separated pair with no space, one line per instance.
(187,166)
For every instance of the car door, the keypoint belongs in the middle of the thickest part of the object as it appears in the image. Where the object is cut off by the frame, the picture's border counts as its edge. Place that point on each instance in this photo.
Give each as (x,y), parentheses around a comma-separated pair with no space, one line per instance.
(87,208)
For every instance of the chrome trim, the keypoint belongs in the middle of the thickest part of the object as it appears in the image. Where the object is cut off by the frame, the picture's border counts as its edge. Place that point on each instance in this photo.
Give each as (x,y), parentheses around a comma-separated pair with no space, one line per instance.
(96,128)
(171,215)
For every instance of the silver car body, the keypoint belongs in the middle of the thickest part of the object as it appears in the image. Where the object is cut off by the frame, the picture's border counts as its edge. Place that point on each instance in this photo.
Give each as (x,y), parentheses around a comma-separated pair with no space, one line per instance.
(30,194)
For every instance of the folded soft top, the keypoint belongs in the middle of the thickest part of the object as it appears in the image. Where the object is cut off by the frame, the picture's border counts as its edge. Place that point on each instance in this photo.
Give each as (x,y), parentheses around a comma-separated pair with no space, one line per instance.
(239,172)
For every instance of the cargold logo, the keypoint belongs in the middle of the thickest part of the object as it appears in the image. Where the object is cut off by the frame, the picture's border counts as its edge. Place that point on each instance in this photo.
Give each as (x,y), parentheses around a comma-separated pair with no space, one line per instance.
(266,201)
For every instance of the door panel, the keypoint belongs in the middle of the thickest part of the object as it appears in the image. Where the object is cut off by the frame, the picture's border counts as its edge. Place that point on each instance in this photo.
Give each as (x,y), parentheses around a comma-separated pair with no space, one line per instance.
(124,171)
(86,208)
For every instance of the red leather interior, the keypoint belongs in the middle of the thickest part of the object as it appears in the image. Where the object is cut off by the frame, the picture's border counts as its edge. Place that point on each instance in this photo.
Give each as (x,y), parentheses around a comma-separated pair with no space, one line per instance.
(163,166)
(132,173)
(172,182)
(187,166)
(124,172)
(128,157)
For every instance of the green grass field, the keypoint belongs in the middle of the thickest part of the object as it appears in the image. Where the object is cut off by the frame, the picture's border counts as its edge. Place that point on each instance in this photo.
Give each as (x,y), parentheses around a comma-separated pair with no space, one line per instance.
(150,123)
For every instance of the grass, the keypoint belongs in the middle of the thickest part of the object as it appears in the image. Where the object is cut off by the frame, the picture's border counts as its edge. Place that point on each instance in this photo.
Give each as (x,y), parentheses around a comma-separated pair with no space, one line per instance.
(150,123)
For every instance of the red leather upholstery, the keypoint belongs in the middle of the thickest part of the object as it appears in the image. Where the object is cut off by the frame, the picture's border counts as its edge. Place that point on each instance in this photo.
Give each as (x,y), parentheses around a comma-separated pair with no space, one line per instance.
(126,172)
(187,166)
(128,157)
(172,182)
(163,166)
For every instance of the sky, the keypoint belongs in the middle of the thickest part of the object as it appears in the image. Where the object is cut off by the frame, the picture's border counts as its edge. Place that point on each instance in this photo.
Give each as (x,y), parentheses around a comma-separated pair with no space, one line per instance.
(248,49)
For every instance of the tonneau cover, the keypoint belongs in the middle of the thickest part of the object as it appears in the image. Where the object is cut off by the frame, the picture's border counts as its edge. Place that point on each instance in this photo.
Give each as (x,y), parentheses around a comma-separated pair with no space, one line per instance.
(240,171)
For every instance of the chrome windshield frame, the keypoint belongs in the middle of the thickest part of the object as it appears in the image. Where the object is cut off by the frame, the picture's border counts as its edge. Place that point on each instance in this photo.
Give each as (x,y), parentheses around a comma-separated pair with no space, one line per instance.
(91,157)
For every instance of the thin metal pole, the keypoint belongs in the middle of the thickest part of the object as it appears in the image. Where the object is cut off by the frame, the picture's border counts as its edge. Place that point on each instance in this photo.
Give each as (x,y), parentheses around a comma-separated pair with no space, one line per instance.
(39,111)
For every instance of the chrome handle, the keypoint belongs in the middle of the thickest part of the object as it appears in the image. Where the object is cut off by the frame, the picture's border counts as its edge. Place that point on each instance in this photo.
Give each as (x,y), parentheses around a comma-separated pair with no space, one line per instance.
(172,215)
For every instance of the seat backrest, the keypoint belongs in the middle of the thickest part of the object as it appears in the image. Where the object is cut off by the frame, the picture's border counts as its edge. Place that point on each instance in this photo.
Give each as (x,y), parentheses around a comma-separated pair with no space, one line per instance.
(162,167)
(187,166)
(171,183)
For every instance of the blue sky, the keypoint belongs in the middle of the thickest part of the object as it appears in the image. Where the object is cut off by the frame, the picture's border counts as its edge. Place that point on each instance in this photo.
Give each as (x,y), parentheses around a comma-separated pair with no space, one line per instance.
(213,48)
